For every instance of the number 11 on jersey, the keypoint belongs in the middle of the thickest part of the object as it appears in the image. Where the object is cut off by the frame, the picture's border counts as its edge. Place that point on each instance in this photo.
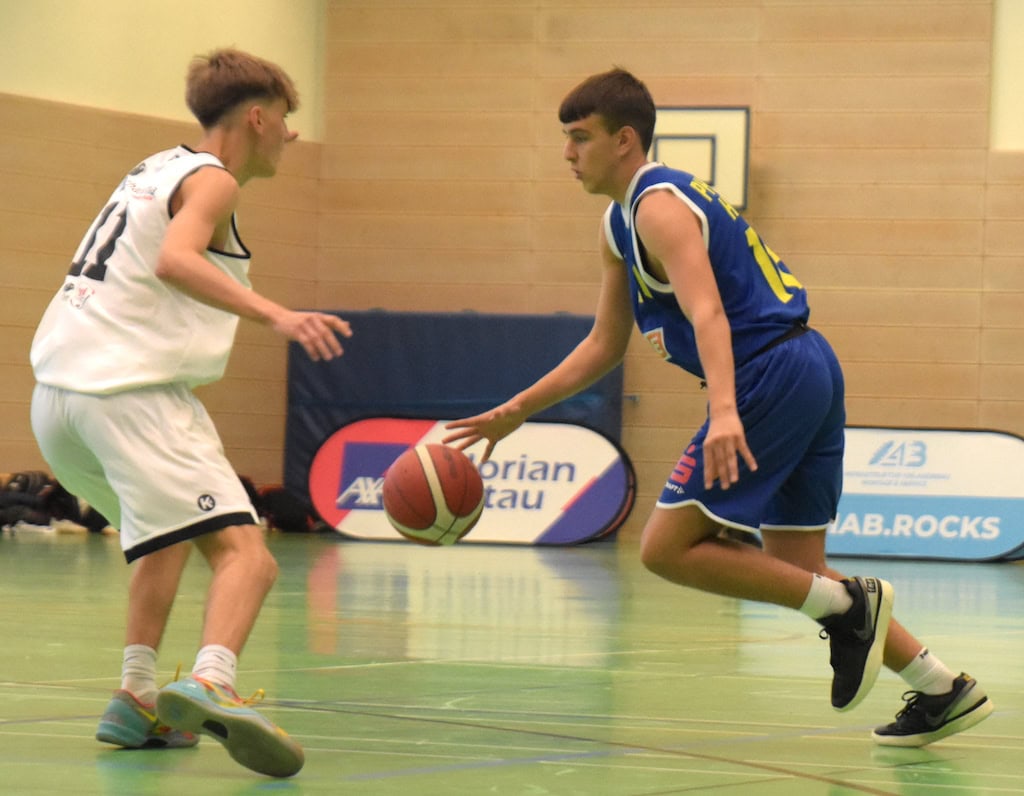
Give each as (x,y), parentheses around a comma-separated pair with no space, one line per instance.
(91,258)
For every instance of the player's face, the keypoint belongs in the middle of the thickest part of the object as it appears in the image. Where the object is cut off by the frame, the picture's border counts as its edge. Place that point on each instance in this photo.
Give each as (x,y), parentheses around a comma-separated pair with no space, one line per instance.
(274,134)
(592,153)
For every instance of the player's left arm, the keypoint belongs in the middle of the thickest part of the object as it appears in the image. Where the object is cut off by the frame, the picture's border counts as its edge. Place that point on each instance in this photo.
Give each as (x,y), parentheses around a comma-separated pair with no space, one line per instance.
(204,206)
(671,234)
(600,351)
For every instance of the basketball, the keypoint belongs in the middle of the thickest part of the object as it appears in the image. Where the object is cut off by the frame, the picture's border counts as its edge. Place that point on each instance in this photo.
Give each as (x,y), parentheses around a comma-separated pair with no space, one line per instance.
(433,494)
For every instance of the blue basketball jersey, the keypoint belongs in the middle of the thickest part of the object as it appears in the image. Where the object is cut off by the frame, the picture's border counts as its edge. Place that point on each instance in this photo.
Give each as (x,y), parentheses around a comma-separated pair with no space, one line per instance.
(762,299)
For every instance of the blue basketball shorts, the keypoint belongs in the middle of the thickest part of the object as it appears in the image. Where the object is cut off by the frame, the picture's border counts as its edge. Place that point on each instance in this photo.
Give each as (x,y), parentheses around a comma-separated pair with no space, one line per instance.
(791,403)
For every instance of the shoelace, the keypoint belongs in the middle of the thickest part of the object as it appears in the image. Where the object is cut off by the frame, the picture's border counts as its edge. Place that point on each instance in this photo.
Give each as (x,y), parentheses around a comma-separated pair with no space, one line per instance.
(836,655)
(159,728)
(912,699)
(257,695)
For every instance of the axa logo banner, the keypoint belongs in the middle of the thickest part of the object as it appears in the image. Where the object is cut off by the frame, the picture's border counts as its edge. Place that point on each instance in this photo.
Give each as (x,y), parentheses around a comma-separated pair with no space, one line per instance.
(545,484)
(931,493)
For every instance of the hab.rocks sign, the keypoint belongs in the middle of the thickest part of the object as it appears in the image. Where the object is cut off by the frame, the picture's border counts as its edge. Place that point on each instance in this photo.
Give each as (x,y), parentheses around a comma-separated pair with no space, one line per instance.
(930,493)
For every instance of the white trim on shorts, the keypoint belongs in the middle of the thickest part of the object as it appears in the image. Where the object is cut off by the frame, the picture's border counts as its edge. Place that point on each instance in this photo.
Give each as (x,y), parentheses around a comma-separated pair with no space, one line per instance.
(737,525)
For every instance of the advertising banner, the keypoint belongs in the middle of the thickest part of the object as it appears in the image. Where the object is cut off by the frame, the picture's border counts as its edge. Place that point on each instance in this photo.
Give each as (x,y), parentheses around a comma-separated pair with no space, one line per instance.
(545,484)
(929,493)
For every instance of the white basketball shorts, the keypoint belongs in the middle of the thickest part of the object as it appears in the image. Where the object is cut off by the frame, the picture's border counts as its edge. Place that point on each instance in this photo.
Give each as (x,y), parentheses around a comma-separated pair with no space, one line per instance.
(149,460)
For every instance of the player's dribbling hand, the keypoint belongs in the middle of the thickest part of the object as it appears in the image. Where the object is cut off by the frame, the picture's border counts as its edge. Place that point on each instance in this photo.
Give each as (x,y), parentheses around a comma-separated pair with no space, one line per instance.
(316,332)
(493,426)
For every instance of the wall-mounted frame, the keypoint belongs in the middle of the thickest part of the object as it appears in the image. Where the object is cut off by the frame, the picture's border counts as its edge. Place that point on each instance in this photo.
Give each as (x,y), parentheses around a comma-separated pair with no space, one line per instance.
(710,143)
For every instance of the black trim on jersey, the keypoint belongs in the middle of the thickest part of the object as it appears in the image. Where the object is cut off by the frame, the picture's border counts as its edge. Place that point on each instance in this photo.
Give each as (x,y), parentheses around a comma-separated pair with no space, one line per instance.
(238,240)
(234,224)
(208,525)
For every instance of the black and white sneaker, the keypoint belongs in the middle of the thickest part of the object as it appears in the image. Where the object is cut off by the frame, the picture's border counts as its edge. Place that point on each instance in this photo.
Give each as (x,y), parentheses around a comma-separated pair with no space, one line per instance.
(927,718)
(857,640)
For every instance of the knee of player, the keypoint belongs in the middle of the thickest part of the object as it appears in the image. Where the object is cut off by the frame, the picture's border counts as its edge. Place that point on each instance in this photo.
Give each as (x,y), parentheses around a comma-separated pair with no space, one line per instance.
(260,564)
(268,567)
(649,560)
(654,552)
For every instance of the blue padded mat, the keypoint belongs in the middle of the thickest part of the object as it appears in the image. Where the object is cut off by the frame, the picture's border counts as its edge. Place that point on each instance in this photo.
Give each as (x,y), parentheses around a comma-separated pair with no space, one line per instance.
(440,366)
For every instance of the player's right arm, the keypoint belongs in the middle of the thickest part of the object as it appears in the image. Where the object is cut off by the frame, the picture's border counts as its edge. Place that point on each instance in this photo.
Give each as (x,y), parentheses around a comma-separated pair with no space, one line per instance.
(202,211)
(601,350)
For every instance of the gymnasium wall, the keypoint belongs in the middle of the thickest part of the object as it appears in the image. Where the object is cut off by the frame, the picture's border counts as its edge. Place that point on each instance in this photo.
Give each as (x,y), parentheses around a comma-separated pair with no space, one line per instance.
(58,165)
(443,185)
(80,103)
(439,186)
(131,56)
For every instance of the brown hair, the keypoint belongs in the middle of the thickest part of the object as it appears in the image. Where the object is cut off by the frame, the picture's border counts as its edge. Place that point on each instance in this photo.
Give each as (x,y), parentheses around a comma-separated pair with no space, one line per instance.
(619,98)
(220,80)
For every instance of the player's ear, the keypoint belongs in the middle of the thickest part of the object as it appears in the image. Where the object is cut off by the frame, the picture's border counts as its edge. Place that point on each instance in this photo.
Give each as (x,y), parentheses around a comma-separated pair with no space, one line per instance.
(254,116)
(627,138)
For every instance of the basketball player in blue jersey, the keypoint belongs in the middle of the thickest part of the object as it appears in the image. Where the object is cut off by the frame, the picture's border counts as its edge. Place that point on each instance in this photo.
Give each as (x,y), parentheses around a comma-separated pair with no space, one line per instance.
(147,311)
(712,298)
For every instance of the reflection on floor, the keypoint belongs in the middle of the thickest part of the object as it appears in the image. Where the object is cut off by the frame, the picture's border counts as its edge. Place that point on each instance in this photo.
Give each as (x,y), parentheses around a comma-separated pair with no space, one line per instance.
(504,670)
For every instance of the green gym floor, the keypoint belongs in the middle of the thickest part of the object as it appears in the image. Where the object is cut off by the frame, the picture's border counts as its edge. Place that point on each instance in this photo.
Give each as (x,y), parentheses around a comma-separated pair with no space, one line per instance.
(502,670)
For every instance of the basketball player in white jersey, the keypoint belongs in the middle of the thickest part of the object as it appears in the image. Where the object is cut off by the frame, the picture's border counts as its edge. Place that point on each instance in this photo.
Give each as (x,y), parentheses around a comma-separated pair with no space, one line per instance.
(147,311)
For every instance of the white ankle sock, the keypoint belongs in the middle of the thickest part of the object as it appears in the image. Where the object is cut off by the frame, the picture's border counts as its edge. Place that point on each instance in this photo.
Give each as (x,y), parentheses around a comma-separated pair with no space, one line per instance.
(216,664)
(826,598)
(928,674)
(138,672)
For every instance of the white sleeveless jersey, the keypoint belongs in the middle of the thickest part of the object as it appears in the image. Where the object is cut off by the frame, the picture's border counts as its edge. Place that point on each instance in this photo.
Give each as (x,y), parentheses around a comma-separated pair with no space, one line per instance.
(114,325)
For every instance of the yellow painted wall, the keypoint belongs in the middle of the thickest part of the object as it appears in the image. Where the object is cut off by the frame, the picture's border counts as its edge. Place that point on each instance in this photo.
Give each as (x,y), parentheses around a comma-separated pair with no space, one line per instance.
(131,55)
(1007,75)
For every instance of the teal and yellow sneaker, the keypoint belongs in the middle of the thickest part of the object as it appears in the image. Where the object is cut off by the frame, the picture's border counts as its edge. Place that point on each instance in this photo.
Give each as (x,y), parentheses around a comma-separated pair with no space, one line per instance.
(197,706)
(129,723)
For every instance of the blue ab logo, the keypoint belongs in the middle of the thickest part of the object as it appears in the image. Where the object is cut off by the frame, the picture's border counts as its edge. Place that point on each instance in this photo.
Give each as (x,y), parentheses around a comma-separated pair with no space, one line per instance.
(913,453)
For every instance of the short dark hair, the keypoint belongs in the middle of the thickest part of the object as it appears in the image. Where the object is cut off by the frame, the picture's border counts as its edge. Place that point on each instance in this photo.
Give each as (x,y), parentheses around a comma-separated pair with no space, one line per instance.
(220,80)
(620,99)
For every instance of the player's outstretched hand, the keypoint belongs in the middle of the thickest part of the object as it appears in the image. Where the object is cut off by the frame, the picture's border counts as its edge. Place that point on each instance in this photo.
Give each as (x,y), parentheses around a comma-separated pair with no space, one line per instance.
(492,426)
(316,332)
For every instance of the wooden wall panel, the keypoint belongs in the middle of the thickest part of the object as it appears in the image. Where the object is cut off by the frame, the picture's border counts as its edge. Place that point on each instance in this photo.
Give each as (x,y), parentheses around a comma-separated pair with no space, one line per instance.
(828,93)
(866,20)
(797,164)
(845,130)
(999,415)
(870,175)
(887,308)
(58,164)
(876,57)
(914,412)
(917,344)
(904,272)
(872,202)
(440,186)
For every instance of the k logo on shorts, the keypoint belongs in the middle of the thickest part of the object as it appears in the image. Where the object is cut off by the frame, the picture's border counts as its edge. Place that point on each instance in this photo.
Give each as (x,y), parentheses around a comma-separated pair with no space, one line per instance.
(206,502)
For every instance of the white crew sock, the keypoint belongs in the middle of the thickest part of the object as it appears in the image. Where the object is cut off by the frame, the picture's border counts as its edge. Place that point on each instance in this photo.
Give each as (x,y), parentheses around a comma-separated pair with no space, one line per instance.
(216,664)
(138,672)
(928,674)
(827,597)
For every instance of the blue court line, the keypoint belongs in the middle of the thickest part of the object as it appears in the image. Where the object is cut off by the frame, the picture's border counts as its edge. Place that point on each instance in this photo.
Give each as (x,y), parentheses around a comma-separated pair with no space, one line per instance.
(614,748)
